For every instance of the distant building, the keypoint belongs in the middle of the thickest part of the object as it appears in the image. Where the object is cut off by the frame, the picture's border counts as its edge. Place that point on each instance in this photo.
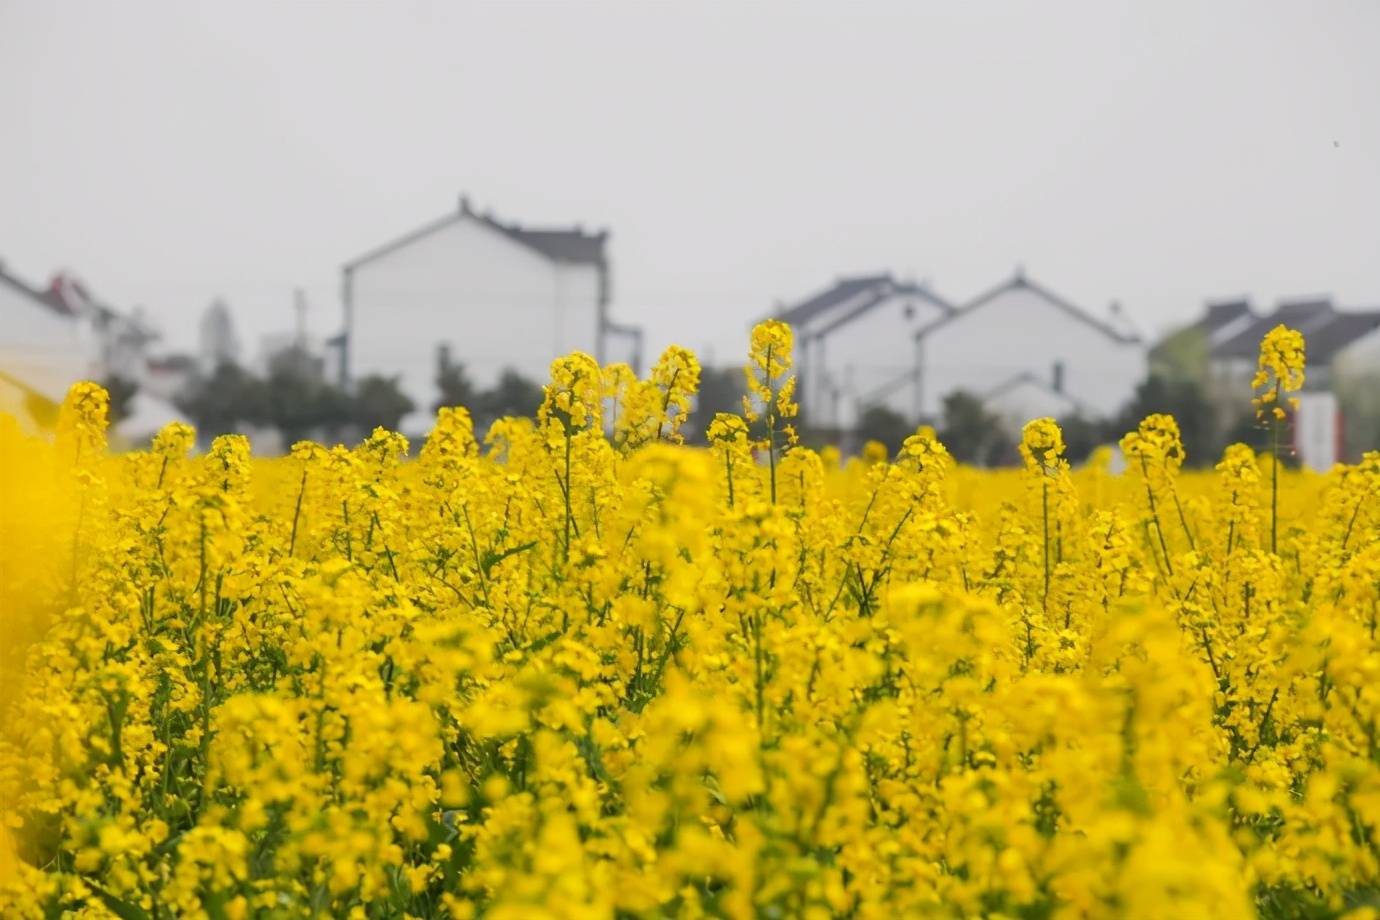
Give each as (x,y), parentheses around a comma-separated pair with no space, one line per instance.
(1355,375)
(44,348)
(1023,350)
(170,376)
(1022,331)
(855,347)
(1219,352)
(52,338)
(1328,332)
(498,295)
(1028,395)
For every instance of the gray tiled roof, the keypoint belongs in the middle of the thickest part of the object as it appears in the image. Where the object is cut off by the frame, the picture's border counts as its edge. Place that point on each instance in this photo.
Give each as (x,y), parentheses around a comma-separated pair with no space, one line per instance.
(1325,329)
(559,244)
(46,298)
(1323,344)
(1221,313)
(843,290)
(1307,316)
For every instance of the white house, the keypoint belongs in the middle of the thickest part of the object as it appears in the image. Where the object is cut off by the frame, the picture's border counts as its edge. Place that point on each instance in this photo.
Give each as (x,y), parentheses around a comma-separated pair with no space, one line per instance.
(876,341)
(1329,335)
(1340,415)
(855,347)
(1028,395)
(1355,378)
(44,348)
(495,295)
(50,339)
(1020,331)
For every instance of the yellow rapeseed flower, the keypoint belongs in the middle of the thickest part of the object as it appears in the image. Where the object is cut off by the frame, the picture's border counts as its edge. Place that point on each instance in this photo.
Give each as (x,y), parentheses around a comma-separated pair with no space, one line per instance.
(582,670)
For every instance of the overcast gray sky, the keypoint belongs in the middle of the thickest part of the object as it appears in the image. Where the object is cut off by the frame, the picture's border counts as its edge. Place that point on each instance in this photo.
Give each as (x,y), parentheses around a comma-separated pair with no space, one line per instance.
(1158,153)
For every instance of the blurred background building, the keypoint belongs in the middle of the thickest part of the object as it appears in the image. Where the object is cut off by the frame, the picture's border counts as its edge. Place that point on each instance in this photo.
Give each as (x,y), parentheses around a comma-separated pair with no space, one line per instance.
(231,155)
(470,310)
(488,295)
(52,337)
(856,345)
(872,346)
(1339,412)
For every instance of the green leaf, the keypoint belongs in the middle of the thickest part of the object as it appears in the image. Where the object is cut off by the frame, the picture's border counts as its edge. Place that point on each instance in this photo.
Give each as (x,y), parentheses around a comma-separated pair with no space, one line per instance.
(122,909)
(491,558)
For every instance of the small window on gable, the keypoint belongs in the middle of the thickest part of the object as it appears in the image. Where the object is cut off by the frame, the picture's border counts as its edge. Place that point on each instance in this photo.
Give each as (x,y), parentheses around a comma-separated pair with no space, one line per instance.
(908,311)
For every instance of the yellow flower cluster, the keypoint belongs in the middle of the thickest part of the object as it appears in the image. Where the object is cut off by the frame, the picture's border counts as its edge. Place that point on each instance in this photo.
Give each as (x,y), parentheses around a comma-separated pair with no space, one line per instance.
(1279,369)
(579,670)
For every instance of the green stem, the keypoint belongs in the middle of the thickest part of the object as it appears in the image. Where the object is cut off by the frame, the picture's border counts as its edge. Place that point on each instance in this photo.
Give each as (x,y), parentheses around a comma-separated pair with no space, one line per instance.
(297,512)
(568,515)
(771,426)
(760,678)
(1274,476)
(1183,521)
(1044,512)
(1155,513)
(201,579)
(1346,537)
(666,403)
(478,564)
(349,540)
(1231,526)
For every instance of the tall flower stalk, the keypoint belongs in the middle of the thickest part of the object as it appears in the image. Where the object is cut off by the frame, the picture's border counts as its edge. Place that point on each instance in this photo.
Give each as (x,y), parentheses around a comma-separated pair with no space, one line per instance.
(1156,449)
(771,388)
(573,403)
(1279,370)
(1042,448)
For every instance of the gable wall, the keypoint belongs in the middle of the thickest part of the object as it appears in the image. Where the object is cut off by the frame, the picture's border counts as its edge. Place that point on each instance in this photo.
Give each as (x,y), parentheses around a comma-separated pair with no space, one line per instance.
(1024,401)
(496,302)
(1360,357)
(41,348)
(1016,331)
(811,354)
(872,352)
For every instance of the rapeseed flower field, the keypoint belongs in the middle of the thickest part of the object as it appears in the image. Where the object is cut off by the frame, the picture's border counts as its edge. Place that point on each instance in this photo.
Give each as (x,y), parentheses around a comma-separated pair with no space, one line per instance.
(579,670)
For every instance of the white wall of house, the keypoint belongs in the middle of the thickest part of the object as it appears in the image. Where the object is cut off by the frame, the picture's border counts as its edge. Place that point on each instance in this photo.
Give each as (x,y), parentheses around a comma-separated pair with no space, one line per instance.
(1361,358)
(869,360)
(1019,330)
(495,301)
(1317,430)
(816,396)
(1027,399)
(44,350)
(1356,381)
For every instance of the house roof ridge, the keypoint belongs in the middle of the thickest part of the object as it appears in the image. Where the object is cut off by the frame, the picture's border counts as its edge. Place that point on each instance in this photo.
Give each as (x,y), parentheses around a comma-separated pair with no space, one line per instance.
(880,297)
(843,289)
(1021,280)
(1080,312)
(45,297)
(560,244)
(1343,328)
(407,238)
(1029,376)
